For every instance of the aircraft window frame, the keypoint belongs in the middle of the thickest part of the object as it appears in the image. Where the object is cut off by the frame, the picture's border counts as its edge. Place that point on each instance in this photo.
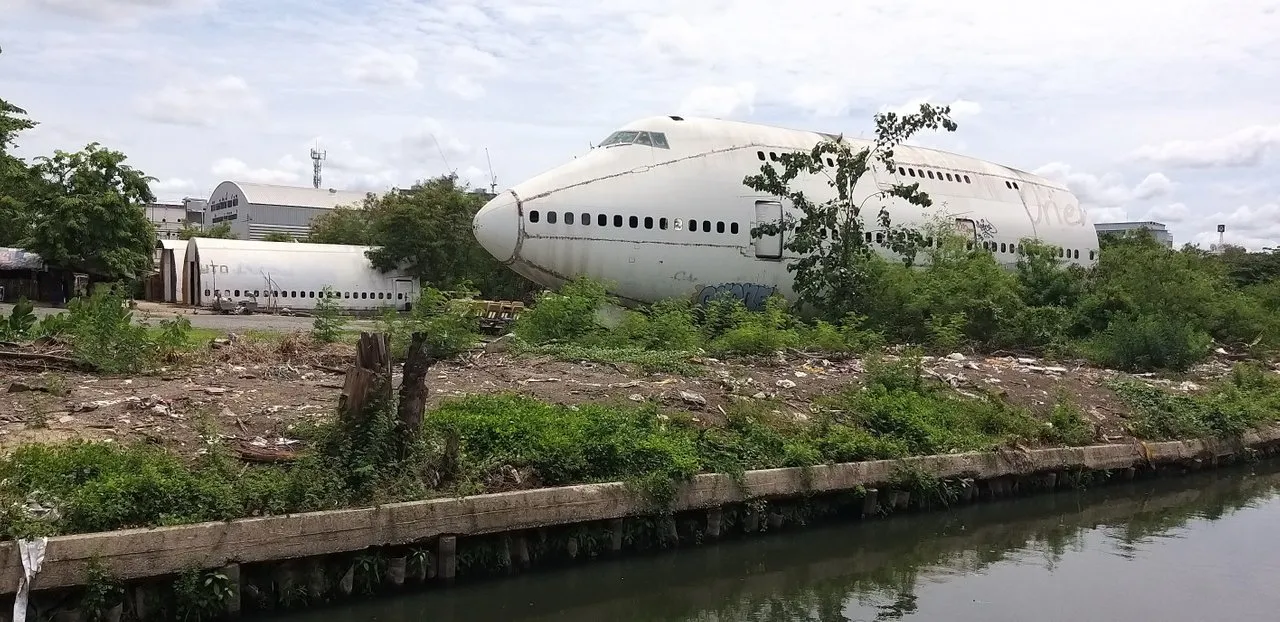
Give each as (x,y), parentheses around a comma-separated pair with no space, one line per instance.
(602,220)
(662,223)
(620,137)
(677,224)
(633,222)
(568,218)
(534,216)
(733,228)
(656,140)
(585,219)
(551,218)
(617,220)
(648,222)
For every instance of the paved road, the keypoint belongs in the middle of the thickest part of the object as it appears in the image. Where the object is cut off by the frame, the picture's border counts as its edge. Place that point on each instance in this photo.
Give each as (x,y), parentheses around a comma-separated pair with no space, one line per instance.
(215,322)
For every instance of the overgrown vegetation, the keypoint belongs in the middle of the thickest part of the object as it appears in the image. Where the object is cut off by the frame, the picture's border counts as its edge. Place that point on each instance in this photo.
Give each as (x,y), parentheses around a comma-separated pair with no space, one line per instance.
(502,442)
(492,443)
(102,333)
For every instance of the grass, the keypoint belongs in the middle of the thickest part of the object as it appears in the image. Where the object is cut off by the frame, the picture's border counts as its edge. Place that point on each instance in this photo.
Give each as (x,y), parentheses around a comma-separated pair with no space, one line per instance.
(486,443)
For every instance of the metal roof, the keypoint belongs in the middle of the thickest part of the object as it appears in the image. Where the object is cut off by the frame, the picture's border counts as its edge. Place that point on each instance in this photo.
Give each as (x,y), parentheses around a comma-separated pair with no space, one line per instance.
(177,246)
(268,194)
(18,259)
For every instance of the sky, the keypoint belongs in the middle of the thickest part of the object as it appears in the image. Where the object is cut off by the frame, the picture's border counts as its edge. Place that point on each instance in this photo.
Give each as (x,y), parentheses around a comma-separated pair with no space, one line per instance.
(1166,111)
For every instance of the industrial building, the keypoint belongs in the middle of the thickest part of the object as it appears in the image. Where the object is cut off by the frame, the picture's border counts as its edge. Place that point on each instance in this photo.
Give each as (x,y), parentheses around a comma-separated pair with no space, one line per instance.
(256,210)
(289,275)
(170,218)
(1157,229)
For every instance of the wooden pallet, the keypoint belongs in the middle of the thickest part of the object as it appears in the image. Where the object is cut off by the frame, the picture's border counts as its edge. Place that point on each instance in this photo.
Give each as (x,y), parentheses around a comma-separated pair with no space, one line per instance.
(496,314)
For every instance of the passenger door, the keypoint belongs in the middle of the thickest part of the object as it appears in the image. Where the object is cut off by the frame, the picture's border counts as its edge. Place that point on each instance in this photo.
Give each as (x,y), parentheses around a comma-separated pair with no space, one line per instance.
(404,294)
(768,246)
(969,230)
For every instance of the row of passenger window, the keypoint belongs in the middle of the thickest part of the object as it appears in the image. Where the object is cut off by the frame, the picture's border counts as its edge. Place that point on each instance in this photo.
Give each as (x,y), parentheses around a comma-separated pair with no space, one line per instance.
(1003,247)
(296,294)
(904,171)
(773,156)
(634,222)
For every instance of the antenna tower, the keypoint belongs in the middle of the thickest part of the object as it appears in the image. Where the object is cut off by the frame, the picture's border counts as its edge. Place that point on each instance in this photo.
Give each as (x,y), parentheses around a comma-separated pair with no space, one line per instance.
(316,157)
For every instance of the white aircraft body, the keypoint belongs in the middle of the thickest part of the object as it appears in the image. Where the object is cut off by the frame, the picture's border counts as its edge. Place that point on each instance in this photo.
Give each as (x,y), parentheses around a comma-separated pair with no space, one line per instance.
(659,210)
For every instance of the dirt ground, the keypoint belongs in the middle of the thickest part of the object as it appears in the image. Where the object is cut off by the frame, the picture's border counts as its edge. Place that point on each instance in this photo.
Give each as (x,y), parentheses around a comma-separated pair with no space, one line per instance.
(256,393)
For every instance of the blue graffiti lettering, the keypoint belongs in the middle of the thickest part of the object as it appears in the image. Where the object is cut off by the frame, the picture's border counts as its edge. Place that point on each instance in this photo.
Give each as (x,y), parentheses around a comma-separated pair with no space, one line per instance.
(751,295)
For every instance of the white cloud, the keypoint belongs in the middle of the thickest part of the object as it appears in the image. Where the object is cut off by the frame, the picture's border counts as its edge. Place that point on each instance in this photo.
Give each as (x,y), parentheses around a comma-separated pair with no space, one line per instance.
(959,107)
(1173,212)
(719,101)
(535,82)
(430,137)
(233,168)
(462,86)
(380,67)
(202,103)
(1106,191)
(115,10)
(1242,148)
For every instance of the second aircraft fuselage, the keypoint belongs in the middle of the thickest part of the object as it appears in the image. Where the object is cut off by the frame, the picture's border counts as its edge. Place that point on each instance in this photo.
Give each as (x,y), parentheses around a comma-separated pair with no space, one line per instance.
(659,210)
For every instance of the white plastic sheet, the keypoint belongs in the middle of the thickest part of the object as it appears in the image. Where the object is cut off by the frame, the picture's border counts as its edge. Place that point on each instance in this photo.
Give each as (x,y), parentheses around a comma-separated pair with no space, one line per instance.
(32,555)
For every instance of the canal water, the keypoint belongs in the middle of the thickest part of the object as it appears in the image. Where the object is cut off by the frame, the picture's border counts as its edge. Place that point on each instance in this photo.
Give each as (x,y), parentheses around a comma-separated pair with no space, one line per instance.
(1203,547)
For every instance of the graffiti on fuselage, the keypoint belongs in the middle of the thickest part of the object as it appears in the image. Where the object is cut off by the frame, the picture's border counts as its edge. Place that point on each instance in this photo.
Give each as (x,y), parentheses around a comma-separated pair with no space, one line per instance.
(214,268)
(751,295)
(986,229)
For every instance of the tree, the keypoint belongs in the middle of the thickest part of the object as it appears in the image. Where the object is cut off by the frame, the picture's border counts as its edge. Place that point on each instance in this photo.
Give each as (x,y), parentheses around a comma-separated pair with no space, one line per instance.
(342,225)
(427,228)
(86,213)
(15,175)
(834,264)
(221,230)
(278,236)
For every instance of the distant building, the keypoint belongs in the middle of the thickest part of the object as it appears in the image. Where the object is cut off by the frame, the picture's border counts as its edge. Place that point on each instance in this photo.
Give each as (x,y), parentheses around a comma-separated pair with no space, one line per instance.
(256,210)
(167,217)
(196,210)
(1157,229)
(170,218)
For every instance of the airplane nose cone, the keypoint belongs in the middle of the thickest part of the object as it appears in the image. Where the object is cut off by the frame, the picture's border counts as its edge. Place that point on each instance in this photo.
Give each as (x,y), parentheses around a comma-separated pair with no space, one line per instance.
(496,226)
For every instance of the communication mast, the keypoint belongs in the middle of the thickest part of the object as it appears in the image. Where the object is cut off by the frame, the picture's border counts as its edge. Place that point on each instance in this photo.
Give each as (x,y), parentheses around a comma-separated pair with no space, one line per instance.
(316,157)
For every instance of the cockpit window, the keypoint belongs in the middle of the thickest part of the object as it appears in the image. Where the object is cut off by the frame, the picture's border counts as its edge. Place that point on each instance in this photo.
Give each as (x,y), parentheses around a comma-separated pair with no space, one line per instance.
(630,137)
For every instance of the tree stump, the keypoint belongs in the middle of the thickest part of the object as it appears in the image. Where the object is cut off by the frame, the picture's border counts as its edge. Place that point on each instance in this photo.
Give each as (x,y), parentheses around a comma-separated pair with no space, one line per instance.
(367,380)
(413,391)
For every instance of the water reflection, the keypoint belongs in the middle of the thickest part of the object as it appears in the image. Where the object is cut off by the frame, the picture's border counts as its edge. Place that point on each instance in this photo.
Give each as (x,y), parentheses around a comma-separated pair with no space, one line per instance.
(1180,549)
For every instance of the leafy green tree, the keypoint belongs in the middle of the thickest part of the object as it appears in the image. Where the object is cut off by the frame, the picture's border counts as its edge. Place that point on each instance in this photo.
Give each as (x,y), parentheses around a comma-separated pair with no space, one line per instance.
(278,236)
(15,175)
(86,213)
(343,225)
(221,230)
(834,261)
(427,227)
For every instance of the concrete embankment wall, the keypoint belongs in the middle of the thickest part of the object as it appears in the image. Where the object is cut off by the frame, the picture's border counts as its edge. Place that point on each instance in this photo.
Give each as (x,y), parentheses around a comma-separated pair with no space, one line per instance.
(140,554)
